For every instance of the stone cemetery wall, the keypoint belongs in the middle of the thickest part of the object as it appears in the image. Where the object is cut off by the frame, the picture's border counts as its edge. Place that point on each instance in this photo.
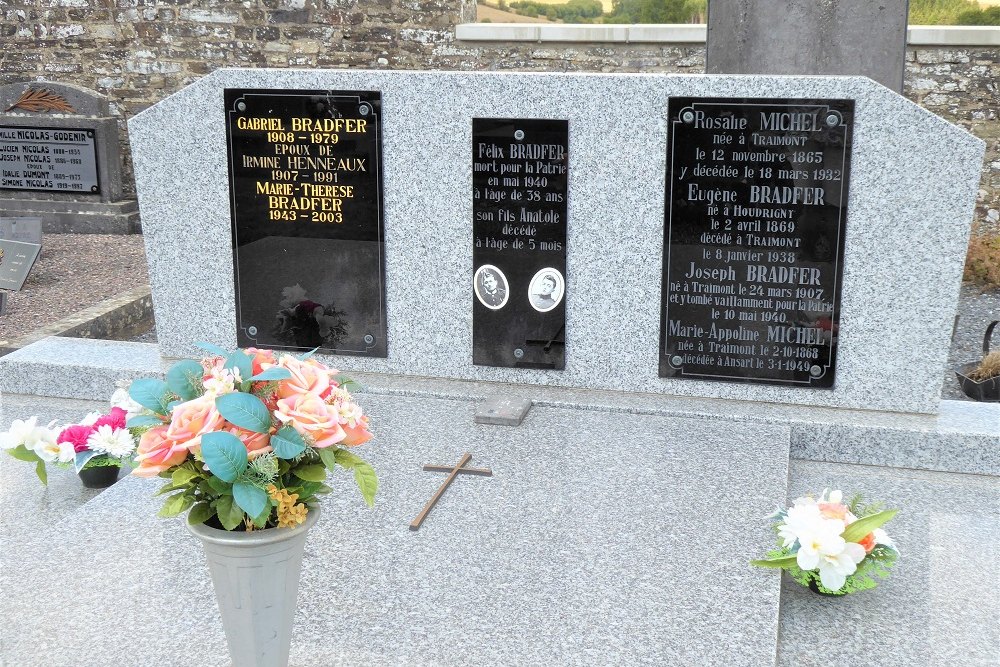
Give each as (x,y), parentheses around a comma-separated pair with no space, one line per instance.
(137,54)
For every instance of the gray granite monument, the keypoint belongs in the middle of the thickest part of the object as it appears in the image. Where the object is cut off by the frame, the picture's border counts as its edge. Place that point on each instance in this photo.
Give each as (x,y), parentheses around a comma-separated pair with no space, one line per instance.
(623,507)
(60,160)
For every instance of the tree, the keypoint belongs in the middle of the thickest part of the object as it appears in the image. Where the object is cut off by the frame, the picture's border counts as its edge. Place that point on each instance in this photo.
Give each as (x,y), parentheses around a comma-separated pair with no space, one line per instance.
(655,11)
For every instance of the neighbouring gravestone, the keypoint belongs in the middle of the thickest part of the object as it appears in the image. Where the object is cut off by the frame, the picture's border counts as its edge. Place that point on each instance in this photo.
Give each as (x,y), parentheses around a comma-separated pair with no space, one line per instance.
(808,37)
(59,159)
(812,299)
(16,260)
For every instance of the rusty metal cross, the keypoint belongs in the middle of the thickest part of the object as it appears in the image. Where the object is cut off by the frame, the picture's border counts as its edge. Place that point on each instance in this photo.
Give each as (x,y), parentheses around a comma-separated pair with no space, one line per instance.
(454,471)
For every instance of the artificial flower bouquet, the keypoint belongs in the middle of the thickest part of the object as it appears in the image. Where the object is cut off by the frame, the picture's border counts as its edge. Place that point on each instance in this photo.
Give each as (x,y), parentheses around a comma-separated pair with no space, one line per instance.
(98,440)
(833,547)
(246,438)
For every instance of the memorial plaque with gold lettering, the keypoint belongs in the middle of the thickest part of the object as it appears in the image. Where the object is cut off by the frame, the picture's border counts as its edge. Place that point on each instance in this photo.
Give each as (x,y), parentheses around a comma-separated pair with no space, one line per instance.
(305,180)
(756,202)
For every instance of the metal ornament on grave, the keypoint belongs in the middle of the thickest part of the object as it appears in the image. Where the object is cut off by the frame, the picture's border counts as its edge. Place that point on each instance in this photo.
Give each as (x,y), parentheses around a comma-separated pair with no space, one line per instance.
(453,472)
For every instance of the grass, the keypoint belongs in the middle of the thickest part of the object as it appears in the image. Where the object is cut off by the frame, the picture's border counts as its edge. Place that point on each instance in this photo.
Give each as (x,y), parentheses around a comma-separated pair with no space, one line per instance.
(982,264)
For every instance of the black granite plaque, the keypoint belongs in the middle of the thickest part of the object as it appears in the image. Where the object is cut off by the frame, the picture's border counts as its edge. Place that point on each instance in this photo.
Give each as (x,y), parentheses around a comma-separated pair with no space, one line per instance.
(16,260)
(48,158)
(756,201)
(305,178)
(519,202)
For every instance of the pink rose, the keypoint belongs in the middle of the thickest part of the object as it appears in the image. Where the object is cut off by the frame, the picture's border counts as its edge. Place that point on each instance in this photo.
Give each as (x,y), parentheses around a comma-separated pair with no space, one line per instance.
(157,453)
(357,434)
(193,419)
(77,435)
(314,419)
(251,440)
(259,357)
(308,376)
(116,419)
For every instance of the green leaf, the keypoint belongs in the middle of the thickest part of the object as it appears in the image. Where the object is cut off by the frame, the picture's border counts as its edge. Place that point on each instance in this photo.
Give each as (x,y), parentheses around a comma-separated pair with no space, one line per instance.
(865,525)
(40,471)
(184,379)
(273,373)
(347,459)
(287,443)
(230,514)
(224,454)
(310,473)
(82,458)
(241,361)
(347,383)
(214,349)
(367,481)
(200,513)
(175,505)
(244,410)
(182,476)
(151,394)
(329,456)
(220,486)
(260,521)
(141,421)
(783,562)
(22,453)
(251,499)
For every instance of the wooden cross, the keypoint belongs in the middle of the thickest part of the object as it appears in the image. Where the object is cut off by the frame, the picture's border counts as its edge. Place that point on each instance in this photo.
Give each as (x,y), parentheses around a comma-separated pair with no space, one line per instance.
(454,471)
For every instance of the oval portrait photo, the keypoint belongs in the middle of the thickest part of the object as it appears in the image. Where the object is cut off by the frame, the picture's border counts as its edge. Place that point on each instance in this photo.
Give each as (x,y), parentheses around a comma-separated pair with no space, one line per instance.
(546,289)
(490,285)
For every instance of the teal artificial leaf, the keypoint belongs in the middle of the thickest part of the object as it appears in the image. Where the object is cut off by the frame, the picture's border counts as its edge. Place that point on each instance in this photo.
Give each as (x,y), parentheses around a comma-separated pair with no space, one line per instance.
(250,498)
(867,524)
(22,453)
(184,379)
(142,421)
(347,459)
(367,481)
(347,383)
(230,514)
(200,513)
(313,472)
(287,443)
(214,349)
(306,355)
(271,374)
(82,458)
(241,361)
(328,455)
(151,394)
(225,455)
(40,471)
(783,562)
(244,410)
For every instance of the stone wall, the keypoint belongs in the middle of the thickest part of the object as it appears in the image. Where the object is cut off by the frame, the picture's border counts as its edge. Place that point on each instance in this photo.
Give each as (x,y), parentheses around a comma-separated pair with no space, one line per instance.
(139,51)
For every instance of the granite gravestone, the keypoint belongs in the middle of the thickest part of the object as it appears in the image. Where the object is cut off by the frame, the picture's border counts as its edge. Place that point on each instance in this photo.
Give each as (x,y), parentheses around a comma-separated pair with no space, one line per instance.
(305,179)
(60,161)
(756,205)
(25,230)
(808,37)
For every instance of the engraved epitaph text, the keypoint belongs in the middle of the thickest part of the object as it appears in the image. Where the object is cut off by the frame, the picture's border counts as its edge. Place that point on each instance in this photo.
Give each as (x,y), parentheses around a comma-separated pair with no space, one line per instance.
(756,201)
(54,159)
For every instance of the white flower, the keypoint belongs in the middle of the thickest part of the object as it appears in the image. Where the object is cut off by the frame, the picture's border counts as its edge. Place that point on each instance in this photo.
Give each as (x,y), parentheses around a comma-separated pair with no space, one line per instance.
(18,433)
(882,537)
(800,520)
(121,399)
(835,568)
(91,418)
(106,440)
(66,452)
(836,497)
(292,296)
(220,381)
(43,442)
(822,547)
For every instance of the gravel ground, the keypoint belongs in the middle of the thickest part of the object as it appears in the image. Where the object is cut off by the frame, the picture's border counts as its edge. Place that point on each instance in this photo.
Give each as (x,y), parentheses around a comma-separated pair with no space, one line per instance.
(73,272)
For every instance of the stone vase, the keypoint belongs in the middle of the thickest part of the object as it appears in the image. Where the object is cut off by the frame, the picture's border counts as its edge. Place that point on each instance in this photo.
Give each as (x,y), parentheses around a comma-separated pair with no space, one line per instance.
(256,578)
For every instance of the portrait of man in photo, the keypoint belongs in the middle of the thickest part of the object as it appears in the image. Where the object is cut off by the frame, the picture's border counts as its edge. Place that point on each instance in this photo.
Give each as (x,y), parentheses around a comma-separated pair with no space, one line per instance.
(490,286)
(546,290)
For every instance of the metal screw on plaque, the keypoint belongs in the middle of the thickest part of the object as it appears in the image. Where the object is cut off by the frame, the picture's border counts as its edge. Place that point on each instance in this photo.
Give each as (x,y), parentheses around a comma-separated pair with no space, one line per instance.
(815,371)
(687,116)
(519,134)
(241,106)
(369,339)
(90,133)
(518,353)
(93,188)
(252,331)
(364,109)
(833,119)
(676,360)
